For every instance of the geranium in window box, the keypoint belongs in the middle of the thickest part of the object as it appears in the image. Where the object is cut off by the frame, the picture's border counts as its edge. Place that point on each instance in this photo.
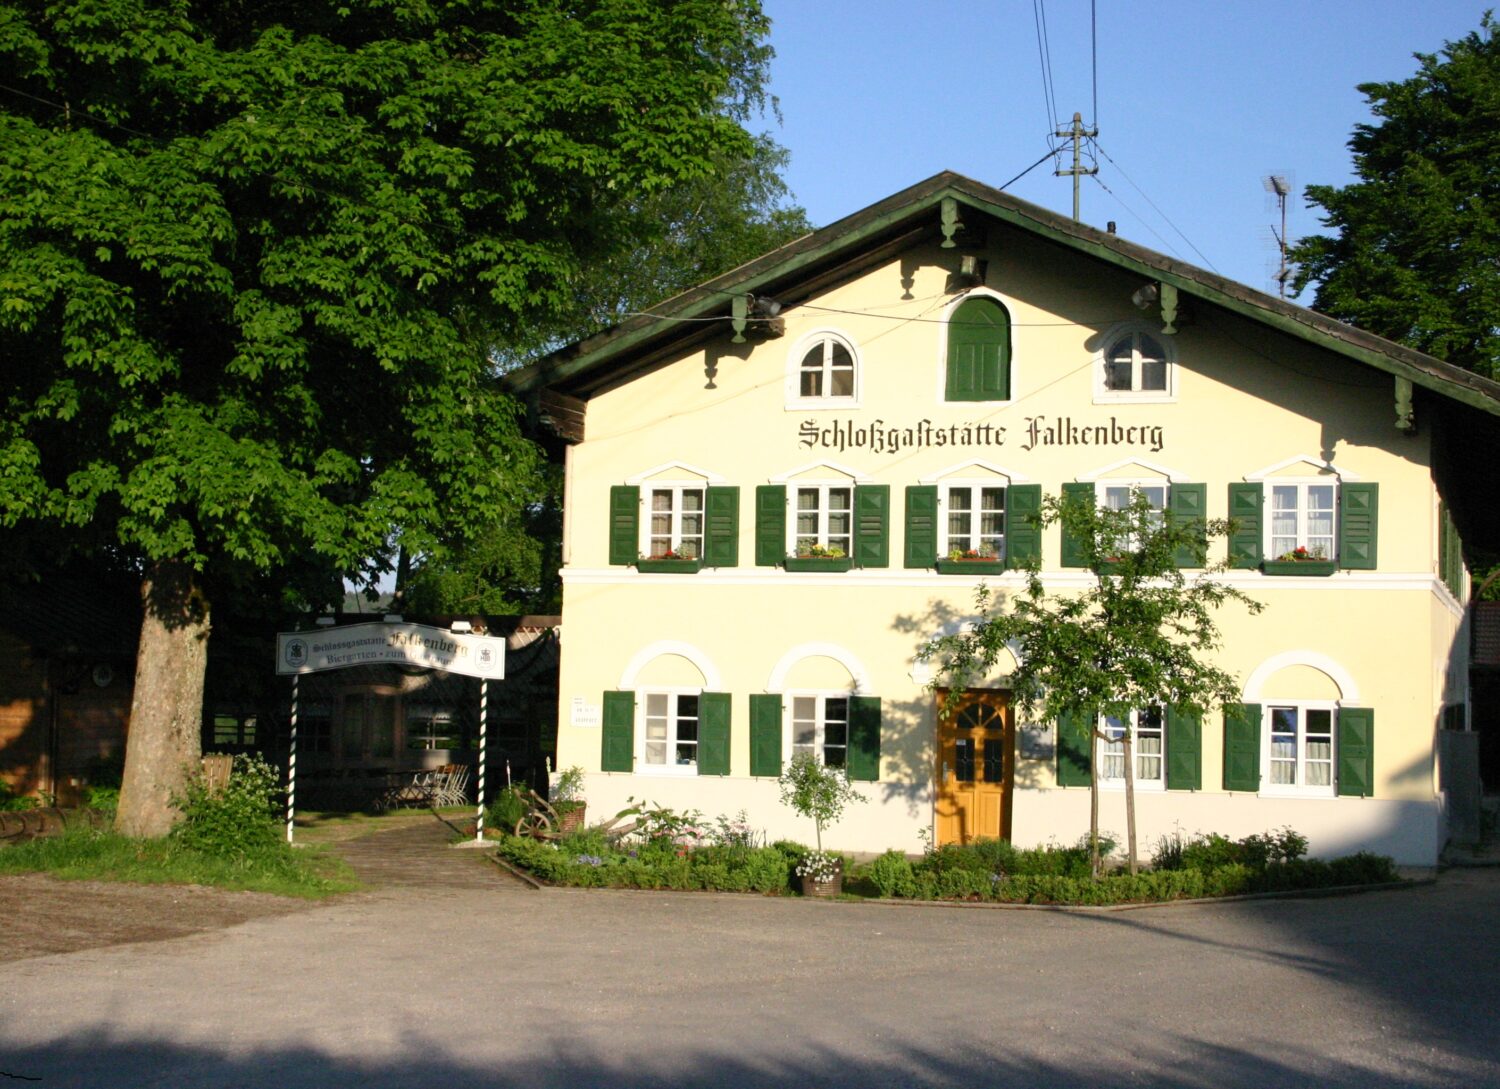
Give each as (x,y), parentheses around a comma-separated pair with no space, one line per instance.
(1300,561)
(669,562)
(818,558)
(970,562)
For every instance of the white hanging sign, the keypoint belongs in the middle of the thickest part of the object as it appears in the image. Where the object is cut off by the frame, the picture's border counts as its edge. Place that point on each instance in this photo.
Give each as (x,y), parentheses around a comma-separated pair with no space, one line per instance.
(390,644)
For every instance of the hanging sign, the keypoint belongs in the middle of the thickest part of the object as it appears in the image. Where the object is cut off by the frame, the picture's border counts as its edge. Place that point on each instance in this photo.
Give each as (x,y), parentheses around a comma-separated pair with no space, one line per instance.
(390,644)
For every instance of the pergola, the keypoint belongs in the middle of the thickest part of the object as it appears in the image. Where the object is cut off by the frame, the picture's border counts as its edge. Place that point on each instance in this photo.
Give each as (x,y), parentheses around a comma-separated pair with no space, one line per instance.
(391,642)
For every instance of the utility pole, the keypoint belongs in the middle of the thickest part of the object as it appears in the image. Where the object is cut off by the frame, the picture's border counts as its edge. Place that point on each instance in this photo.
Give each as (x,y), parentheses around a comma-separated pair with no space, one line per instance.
(1076,132)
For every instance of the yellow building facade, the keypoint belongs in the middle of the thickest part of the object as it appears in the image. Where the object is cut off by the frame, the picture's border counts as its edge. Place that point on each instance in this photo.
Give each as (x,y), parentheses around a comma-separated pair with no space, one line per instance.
(783,486)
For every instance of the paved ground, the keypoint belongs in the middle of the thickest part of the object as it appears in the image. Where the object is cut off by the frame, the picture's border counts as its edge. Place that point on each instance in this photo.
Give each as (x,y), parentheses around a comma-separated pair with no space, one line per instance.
(467,979)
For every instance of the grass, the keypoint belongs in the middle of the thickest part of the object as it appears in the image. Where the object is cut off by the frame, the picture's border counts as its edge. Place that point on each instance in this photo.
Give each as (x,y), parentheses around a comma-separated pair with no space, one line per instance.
(85,854)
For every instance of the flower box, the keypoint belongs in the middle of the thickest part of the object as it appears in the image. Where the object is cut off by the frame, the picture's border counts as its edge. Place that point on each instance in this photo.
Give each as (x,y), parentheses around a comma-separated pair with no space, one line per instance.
(977,566)
(818,563)
(1300,567)
(668,567)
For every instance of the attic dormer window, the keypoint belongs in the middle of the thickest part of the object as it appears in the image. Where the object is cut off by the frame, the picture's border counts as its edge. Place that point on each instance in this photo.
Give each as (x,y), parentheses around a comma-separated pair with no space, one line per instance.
(824,372)
(1134,365)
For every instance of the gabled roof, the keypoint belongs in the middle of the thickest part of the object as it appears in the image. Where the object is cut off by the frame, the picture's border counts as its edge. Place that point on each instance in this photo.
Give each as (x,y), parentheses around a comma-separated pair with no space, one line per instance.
(795,272)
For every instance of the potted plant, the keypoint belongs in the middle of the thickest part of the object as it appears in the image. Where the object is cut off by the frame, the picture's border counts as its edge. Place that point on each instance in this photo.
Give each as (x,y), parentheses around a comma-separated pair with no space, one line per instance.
(1300,561)
(566,798)
(967,561)
(818,557)
(821,793)
(668,561)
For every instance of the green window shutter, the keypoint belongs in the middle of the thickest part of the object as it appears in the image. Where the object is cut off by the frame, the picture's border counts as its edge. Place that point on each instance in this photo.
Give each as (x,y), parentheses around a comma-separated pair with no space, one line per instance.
(1245,501)
(618,753)
(624,524)
(1189,506)
(1450,553)
(1242,746)
(1074,740)
(1072,547)
(872,525)
(1184,749)
(770,525)
(721,527)
(921,525)
(713,733)
(979,352)
(765,735)
(1356,752)
(864,738)
(1359,507)
(1023,531)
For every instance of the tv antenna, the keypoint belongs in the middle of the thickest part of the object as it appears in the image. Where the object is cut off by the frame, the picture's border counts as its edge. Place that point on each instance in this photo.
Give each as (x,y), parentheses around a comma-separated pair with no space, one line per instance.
(1278,186)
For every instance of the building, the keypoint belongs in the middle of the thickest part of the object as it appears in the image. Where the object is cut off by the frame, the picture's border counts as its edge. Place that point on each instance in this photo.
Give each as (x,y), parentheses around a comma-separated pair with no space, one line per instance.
(781,484)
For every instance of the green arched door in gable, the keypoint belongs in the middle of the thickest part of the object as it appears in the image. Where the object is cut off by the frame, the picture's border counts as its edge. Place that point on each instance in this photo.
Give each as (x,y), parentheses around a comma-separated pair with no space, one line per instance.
(979,352)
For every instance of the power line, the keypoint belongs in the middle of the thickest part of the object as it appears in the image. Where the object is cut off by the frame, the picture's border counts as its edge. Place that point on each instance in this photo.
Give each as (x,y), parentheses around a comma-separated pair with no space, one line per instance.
(1140,218)
(1094,52)
(1167,219)
(1044,60)
(1050,154)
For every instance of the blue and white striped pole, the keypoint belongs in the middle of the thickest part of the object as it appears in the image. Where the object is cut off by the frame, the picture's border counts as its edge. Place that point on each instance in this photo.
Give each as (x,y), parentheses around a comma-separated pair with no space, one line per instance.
(484,726)
(291,764)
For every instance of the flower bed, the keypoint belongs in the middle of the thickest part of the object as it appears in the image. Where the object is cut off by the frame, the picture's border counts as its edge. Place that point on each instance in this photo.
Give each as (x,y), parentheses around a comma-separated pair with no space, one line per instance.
(588,861)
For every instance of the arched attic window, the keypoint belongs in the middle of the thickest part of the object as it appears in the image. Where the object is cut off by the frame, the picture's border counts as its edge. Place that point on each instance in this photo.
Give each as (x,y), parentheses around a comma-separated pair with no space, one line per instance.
(978,366)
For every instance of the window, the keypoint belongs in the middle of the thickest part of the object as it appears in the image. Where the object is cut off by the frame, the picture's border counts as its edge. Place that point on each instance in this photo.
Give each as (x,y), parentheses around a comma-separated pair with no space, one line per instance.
(1134,365)
(1299,748)
(233,730)
(975,522)
(1120,497)
(1148,743)
(670,730)
(825,521)
(823,372)
(1301,521)
(675,526)
(430,727)
(820,725)
(978,357)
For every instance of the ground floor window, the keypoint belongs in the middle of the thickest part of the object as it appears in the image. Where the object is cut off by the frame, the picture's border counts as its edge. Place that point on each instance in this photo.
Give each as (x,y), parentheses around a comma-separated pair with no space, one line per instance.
(1148,741)
(670,729)
(1298,747)
(820,726)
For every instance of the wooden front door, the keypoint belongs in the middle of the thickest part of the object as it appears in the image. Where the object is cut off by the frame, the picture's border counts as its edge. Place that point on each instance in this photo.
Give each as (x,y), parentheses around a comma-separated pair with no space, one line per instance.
(976,766)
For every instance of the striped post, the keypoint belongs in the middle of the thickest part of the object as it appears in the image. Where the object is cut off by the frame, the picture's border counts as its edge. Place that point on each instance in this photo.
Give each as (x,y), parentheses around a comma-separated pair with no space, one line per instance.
(484,728)
(291,763)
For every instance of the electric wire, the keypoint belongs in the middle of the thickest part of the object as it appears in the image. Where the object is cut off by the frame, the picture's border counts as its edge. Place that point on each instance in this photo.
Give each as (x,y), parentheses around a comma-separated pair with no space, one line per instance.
(1159,212)
(1044,62)
(1051,154)
(1094,54)
(1140,218)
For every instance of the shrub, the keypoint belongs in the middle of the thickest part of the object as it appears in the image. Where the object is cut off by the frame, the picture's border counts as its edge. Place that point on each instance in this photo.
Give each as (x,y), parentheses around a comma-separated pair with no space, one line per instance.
(236,821)
(10,801)
(892,875)
(106,799)
(509,806)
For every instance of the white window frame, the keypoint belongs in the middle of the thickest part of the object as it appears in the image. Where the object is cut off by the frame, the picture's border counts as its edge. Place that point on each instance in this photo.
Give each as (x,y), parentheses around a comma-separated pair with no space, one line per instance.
(1136,395)
(975,489)
(1301,788)
(795,399)
(1108,753)
(823,488)
(678,488)
(820,738)
(1134,486)
(671,741)
(1268,486)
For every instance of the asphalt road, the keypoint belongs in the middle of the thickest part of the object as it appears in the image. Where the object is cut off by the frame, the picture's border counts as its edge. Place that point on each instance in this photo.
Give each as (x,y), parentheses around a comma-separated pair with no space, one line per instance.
(504,987)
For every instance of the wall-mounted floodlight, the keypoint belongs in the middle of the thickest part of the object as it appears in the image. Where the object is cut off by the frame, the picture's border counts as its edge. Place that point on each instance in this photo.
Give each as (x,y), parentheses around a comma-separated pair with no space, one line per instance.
(1145,296)
(392,618)
(461,627)
(326,621)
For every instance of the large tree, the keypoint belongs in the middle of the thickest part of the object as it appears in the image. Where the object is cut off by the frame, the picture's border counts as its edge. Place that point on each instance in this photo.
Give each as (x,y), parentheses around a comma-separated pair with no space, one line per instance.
(1414,256)
(659,244)
(1138,638)
(254,258)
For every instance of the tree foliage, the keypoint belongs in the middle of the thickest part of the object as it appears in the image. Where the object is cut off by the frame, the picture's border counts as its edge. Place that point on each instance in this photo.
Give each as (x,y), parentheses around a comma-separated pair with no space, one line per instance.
(254,258)
(1414,256)
(1142,633)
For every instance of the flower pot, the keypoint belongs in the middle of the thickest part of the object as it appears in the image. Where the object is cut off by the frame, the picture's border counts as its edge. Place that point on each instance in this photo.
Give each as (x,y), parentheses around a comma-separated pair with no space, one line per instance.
(818,563)
(1304,568)
(824,890)
(571,820)
(668,567)
(977,566)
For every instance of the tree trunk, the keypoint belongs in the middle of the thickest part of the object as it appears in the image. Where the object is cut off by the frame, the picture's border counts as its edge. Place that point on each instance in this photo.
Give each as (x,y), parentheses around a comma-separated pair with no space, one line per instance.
(163,746)
(1094,866)
(1127,743)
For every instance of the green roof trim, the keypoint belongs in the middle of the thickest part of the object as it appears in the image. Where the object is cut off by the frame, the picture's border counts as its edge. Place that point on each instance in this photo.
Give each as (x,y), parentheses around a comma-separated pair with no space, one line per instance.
(921,207)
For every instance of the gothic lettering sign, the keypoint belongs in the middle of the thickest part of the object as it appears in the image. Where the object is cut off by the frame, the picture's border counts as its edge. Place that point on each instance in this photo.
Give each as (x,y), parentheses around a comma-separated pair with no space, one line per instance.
(390,644)
(880,437)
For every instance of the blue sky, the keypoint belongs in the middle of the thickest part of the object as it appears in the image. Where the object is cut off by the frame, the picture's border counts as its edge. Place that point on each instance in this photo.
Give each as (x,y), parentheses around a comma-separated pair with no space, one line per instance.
(1198,100)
